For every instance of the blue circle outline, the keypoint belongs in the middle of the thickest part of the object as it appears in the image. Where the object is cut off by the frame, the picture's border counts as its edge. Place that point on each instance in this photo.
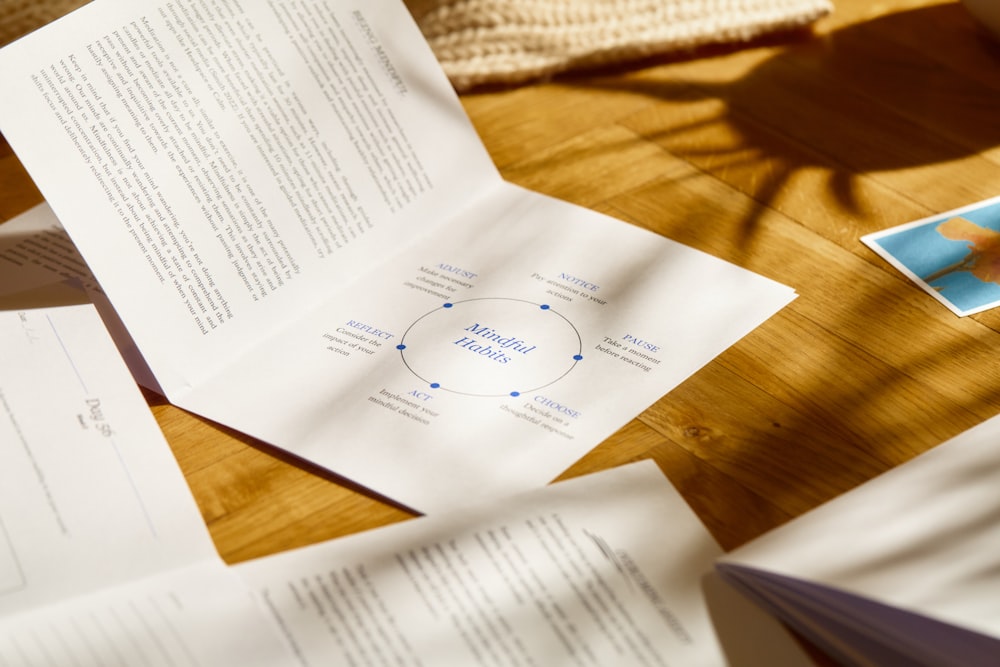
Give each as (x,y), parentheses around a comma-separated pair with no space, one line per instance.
(577,358)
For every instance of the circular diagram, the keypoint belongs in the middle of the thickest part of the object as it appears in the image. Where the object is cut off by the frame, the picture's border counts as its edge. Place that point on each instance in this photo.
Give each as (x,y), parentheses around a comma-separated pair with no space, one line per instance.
(491,347)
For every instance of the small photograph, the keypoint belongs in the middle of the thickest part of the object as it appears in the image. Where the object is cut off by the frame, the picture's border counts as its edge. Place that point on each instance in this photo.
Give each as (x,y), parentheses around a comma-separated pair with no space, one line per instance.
(954,256)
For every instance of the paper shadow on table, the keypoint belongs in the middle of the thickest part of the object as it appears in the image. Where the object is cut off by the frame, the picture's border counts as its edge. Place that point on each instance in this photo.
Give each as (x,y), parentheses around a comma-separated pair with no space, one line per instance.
(45,296)
(305,465)
(782,110)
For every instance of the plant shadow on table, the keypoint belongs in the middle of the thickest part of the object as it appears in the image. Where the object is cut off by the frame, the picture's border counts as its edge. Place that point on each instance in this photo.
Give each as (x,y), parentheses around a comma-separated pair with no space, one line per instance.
(896,88)
(903,91)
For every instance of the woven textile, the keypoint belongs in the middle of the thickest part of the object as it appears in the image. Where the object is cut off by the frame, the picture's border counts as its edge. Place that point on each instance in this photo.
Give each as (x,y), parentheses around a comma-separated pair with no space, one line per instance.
(515,41)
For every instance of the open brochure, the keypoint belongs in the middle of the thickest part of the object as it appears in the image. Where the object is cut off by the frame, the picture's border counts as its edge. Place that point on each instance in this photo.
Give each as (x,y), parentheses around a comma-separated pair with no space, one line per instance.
(904,569)
(104,558)
(297,224)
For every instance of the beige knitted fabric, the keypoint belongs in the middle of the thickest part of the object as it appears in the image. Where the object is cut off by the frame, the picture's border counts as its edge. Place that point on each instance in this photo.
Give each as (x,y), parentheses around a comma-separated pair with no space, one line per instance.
(514,41)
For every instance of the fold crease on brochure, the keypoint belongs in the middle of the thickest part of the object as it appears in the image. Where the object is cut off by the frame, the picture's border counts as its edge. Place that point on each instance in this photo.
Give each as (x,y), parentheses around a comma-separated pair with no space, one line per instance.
(301,232)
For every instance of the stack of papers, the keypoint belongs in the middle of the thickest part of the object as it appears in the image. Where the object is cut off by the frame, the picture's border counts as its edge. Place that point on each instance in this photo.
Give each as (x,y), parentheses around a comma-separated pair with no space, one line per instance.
(304,240)
(104,558)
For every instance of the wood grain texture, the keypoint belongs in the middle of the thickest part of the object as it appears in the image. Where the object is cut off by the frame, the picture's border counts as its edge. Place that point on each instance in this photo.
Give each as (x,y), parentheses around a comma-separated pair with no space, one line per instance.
(778,157)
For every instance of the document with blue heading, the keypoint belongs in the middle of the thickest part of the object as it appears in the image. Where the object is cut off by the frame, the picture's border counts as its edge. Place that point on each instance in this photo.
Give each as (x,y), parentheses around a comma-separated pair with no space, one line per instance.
(289,211)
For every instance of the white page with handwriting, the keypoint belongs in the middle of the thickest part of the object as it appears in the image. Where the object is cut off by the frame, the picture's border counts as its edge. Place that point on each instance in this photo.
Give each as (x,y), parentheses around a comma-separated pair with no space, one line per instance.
(291,214)
(605,569)
(87,477)
(104,558)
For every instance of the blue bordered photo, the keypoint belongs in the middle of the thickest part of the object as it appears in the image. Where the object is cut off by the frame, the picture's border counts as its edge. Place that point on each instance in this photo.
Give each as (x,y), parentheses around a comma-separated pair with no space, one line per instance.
(954,256)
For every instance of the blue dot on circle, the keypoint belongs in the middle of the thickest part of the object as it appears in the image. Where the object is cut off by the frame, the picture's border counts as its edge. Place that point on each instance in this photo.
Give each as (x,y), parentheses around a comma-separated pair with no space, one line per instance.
(577,357)
(448,305)
(515,393)
(544,306)
(400,347)
(435,385)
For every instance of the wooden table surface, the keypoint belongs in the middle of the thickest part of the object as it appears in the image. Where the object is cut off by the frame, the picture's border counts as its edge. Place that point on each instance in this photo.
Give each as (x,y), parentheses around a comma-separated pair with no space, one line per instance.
(776,156)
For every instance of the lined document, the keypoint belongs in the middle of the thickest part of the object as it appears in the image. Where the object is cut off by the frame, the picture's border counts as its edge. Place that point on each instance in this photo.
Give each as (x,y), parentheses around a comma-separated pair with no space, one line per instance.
(104,557)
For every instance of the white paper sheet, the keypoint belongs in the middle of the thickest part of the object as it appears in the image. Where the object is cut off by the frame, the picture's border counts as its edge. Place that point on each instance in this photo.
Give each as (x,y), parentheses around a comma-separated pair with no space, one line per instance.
(81,452)
(907,563)
(103,554)
(602,570)
(277,197)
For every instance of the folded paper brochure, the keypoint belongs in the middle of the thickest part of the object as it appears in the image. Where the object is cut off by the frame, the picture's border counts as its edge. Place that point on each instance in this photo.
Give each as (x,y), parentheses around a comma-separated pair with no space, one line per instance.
(289,211)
